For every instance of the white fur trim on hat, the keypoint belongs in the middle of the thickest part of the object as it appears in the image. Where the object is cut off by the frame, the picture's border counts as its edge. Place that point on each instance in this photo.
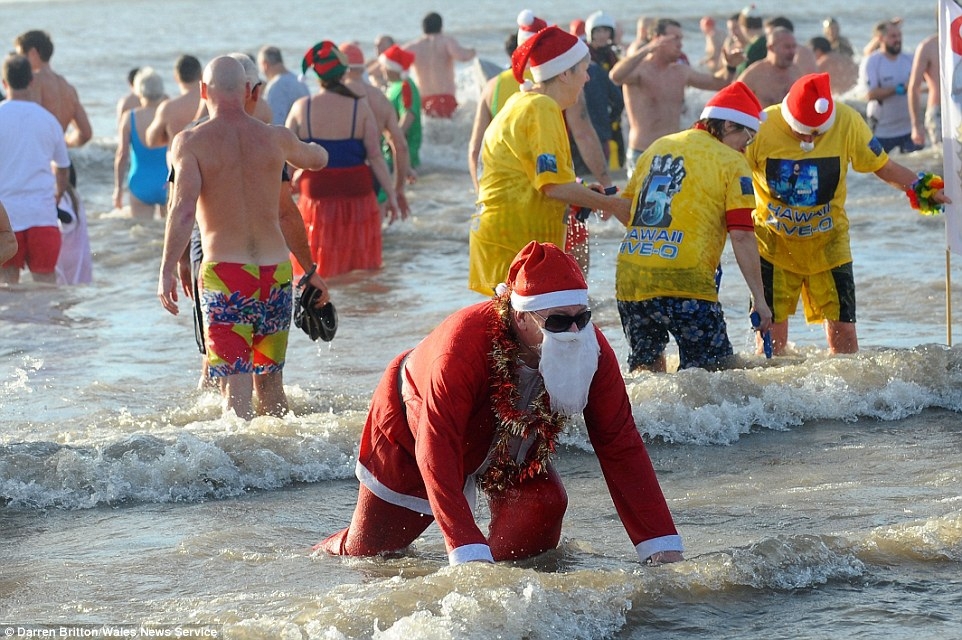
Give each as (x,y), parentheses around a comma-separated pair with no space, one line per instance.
(560,64)
(390,64)
(571,297)
(809,107)
(798,126)
(528,25)
(732,115)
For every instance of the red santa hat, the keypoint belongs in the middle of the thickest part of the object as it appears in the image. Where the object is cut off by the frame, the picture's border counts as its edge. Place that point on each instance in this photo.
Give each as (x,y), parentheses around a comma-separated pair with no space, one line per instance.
(809,107)
(353,53)
(396,59)
(549,52)
(528,25)
(542,276)
(735,103)
(577,28)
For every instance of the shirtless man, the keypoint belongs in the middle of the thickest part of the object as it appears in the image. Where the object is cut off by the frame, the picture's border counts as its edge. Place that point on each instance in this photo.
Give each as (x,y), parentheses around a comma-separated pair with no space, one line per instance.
(925,67)
(434,56)
(226,178)
(387,122)
(772,77)
(840,68)
(375,72)
(52,90)
(176,113)
(653,81)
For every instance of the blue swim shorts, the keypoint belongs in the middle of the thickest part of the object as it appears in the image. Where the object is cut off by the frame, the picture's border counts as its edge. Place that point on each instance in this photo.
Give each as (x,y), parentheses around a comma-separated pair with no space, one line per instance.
(698,327)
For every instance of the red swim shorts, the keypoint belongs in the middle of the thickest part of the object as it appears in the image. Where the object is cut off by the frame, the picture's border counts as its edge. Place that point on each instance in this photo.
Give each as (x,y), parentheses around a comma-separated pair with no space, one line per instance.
(439,106)
(38,248)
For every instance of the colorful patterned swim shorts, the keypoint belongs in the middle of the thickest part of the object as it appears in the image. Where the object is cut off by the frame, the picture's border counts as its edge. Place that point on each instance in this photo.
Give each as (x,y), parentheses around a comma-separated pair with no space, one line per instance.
(247,313)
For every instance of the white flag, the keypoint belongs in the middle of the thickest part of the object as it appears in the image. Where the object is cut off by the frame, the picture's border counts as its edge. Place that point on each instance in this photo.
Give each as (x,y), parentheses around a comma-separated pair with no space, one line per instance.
(950,45)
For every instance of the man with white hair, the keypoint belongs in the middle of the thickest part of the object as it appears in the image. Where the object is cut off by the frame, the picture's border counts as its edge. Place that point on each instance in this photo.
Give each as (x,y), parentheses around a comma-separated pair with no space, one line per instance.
(479,403)
(226,177)
(262,110)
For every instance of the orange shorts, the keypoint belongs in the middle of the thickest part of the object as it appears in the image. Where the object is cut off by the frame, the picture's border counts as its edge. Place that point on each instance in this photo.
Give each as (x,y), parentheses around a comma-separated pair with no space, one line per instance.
(38,249)
(439,106)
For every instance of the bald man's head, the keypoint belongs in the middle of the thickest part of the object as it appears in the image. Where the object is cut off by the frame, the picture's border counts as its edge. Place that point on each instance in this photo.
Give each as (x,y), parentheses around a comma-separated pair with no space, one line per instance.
(225,74)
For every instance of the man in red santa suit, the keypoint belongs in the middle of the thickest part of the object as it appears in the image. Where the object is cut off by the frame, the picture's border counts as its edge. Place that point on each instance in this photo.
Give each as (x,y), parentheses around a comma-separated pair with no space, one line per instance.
(479,403)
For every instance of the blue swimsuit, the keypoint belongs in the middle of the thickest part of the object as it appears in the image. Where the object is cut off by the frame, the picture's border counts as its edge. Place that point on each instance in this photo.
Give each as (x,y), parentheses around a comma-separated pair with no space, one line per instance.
(147,178)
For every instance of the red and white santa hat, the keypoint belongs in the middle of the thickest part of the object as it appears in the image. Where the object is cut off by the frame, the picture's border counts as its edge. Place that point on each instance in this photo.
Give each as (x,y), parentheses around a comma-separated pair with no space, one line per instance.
(355,57)
(548,53)
(809,107)
(735,103)
(396,59)
(528,25)
(542,276)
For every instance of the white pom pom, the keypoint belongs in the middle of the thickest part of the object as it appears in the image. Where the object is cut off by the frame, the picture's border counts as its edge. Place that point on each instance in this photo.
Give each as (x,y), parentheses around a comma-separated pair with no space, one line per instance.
(501,289)
(527,86)
(821,105)
(526,18)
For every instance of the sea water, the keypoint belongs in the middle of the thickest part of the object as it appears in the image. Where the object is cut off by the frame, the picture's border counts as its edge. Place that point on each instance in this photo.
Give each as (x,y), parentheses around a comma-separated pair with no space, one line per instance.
(818,497)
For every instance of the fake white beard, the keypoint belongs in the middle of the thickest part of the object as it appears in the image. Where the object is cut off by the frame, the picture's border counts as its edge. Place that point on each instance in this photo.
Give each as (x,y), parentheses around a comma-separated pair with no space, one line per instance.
(568,364)
(807,146)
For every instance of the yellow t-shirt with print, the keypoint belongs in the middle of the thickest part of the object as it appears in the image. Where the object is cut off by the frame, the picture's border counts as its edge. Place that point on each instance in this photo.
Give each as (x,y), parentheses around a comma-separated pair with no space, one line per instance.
(525,148)
(683,186)
(800,218)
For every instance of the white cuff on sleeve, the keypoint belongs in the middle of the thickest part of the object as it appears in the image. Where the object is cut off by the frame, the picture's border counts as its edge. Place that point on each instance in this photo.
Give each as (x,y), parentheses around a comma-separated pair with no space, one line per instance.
(664,543)
(470,553)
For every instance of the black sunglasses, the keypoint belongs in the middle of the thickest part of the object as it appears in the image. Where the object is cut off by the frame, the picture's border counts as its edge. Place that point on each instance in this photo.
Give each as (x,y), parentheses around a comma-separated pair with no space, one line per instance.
(560,323)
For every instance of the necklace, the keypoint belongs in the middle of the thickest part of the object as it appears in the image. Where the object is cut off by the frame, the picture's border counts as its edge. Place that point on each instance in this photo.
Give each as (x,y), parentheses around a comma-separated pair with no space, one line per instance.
(503,470)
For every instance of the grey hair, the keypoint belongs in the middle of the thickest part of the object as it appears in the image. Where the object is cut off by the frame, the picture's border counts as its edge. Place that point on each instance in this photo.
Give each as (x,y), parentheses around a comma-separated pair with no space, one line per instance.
(250,67)
(148,84)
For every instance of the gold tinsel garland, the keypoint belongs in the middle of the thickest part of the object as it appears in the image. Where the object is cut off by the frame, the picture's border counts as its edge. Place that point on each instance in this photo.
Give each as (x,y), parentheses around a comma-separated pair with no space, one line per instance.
(504,471)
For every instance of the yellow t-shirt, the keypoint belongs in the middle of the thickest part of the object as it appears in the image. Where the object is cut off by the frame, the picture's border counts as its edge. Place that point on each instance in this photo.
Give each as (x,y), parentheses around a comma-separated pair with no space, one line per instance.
(525,148)
(505,86)
(680,192)
(800,218)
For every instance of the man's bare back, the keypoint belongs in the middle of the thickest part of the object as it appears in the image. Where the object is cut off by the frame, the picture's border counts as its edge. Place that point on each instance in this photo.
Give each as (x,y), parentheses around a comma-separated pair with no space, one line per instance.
(925,71)
(226,177)
(52,90)
(434,58)
(60,98)
(172,116)
(388,125)
(841,69)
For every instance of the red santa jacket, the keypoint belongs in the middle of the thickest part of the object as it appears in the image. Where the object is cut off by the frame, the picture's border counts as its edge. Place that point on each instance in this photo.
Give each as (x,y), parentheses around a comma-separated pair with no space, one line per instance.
(420,453)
